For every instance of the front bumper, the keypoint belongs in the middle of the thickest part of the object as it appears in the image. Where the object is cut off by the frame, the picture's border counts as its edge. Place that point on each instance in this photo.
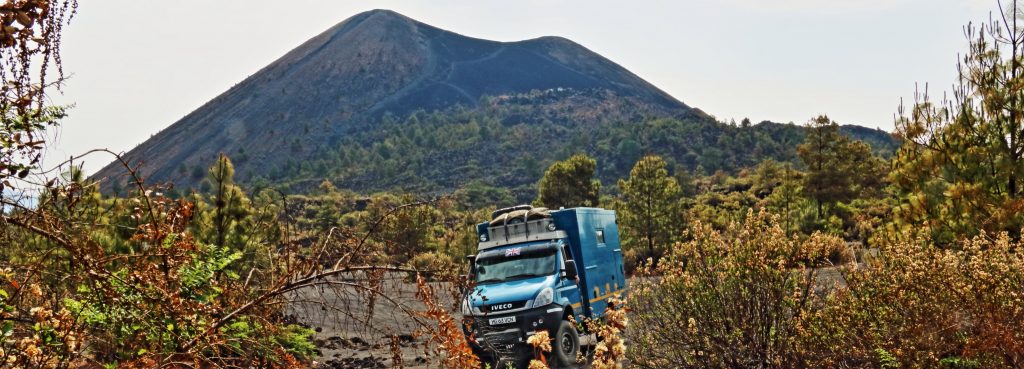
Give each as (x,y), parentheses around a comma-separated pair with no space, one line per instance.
(510,338)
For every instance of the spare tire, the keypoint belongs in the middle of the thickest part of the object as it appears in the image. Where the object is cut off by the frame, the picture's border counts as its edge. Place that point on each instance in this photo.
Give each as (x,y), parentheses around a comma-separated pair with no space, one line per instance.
(496,213)
(499,220)
(538,213)
(517,214)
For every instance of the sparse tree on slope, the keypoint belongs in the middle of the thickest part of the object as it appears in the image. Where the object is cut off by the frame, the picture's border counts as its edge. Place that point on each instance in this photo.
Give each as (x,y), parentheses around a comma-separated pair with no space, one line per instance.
(570,183)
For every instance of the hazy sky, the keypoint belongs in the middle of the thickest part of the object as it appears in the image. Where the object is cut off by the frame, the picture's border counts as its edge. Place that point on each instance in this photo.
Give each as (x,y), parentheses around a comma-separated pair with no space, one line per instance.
(138,66)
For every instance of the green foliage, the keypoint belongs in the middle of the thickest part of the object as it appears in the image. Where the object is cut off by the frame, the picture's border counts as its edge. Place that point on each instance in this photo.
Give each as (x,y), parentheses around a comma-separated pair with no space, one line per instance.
(959,363)
(442,151)
(431,235)
(650,215)
(20,141)
(228,218)
(293,339)
(298,341)
(960,171)
(569,183)
(405,233)
(838,169)
(196,277)
(720,199)
(130,317)
(478,194)
(886,360)
(786,198)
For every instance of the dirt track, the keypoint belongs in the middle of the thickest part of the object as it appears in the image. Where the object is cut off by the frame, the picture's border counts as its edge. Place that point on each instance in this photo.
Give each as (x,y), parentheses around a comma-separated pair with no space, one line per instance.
(352,335)
(355,331)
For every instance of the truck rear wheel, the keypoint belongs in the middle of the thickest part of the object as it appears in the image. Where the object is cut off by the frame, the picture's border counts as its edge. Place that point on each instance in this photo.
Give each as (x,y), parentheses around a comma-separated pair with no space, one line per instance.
(566,345)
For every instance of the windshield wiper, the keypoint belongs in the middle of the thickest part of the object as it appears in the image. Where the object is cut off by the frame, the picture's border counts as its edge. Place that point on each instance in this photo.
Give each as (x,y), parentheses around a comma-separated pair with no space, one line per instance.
(525,275)
(492,280)
(511,277)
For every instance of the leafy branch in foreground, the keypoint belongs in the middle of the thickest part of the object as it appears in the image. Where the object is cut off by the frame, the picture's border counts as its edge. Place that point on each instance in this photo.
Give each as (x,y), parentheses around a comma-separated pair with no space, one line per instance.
(143,292)
(29,49)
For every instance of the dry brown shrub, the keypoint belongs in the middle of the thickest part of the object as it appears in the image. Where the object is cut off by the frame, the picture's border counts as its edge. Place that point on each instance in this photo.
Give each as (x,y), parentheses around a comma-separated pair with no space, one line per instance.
(48,339)
(610,351)
(443,330)
(919,306)
(822,249)
(541,343)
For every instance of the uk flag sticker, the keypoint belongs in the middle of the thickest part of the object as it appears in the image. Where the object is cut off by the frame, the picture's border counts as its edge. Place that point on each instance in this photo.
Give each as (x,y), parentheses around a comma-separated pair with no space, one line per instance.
(512,252)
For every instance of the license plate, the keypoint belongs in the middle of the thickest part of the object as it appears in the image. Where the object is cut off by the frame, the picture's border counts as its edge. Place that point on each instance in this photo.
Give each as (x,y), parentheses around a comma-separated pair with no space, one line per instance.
(505,320)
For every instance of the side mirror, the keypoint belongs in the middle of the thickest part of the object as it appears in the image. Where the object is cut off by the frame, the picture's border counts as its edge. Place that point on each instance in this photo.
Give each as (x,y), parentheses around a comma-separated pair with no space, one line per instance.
(471,259)
(570,269)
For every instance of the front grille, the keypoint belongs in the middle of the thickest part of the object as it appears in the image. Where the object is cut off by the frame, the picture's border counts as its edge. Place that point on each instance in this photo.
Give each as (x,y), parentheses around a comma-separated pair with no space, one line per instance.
(504,344)
(502,307)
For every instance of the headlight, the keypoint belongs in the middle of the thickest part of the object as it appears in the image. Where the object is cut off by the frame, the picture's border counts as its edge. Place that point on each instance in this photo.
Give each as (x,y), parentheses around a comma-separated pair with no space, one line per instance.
(551,227)
(483,238)
(546,296)
(466,311)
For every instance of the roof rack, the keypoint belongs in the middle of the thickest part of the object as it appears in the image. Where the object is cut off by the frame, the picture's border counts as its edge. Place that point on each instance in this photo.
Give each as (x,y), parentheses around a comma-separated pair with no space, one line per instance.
(520,223)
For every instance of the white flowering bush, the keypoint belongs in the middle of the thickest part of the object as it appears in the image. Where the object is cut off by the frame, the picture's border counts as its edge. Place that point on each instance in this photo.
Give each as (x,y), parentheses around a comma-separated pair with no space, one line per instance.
(610,351)
(921,306)
(36,337)
(729,299)
(541,343)
(750,296)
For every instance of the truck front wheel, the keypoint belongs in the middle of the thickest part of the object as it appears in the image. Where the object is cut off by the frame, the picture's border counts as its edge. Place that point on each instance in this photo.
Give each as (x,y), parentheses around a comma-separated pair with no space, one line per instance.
(566,345)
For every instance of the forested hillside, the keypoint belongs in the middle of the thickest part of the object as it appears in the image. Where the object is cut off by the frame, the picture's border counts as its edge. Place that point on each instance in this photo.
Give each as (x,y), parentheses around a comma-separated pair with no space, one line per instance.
(381,102)
(506,144)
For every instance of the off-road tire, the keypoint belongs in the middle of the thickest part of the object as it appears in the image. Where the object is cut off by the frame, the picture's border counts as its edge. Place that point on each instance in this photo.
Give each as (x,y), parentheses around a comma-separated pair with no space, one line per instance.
(565,346)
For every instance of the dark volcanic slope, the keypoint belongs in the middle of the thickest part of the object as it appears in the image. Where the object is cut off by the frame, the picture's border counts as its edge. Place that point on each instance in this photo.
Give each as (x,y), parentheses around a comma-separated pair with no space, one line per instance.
(352,74)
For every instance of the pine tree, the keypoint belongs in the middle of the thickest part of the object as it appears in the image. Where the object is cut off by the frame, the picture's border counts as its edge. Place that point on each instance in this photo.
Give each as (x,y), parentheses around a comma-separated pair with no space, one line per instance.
(820,153)
(838,169)
(650,215)
(961,167)
(222,175)
(569,183)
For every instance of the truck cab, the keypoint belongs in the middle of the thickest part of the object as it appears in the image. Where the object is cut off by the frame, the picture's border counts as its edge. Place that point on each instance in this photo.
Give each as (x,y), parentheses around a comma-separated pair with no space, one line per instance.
(533,270)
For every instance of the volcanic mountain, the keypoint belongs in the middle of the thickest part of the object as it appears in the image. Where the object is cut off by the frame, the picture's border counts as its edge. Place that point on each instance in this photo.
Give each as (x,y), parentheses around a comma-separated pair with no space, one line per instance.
(381,101)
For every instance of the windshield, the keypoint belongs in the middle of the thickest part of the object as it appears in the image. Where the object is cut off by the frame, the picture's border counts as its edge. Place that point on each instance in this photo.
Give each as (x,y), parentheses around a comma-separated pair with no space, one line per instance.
(513,265)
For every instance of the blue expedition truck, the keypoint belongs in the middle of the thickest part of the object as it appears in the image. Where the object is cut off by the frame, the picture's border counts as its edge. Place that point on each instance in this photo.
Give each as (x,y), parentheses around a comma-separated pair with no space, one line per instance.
(534,268)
